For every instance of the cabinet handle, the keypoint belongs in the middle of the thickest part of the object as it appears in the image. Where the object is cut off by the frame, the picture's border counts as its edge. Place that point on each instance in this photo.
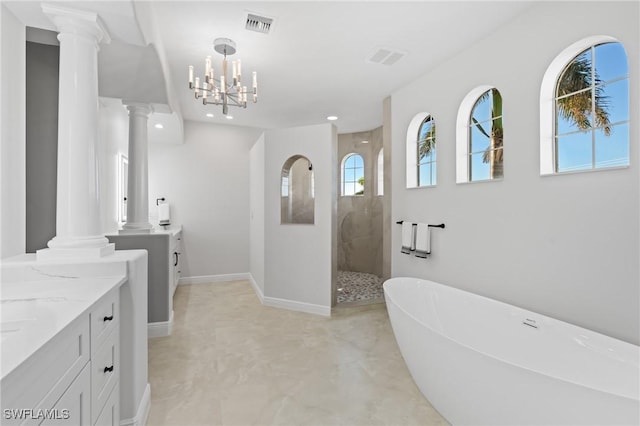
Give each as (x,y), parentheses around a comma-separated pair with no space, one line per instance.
(108,318)
(176,254)
(108,369)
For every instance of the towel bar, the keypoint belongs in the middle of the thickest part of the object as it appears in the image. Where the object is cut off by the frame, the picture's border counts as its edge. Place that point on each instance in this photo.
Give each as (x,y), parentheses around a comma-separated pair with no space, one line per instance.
(430,226)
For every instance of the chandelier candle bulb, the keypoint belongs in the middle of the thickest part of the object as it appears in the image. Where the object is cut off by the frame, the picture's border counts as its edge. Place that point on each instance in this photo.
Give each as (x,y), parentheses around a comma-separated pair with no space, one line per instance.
(227,90)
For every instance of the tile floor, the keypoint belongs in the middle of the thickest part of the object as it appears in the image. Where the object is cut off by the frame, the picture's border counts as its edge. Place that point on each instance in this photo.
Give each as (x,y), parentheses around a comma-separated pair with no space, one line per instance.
(359,287)
(232,361)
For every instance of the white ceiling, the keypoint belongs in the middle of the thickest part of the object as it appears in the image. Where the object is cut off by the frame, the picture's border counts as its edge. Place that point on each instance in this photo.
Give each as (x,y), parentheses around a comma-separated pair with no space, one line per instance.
(314,61)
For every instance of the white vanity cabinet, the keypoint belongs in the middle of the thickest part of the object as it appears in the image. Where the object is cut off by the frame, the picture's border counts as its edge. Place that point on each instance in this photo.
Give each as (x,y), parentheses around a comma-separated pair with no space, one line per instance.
(73,378)
(105,354)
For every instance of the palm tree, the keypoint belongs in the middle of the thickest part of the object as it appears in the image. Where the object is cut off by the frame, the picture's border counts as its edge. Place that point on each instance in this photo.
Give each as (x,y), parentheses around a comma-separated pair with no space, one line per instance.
(361,183)
(427,142)
(574,104)
(574,96)
(493,154)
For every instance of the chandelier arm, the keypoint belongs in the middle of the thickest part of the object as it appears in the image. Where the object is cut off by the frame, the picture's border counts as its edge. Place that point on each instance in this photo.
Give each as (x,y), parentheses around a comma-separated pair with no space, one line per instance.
(223,91)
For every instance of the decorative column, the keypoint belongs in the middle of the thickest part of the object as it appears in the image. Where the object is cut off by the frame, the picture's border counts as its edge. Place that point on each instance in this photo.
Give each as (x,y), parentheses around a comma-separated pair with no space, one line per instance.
(138,185)
(78,227)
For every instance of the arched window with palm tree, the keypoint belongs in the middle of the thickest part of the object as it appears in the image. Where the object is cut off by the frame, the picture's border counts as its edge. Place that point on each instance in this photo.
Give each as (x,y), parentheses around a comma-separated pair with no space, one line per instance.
(421,151)
(584,108)
(426,152)
(352,175)
(486,133)
(480,136)
(592,110)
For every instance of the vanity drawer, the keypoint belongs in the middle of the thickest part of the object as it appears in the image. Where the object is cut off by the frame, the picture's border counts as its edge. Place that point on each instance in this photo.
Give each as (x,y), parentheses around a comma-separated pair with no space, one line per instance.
(43,378)
(105,317)
(105,372)
(110,415)
(73,407)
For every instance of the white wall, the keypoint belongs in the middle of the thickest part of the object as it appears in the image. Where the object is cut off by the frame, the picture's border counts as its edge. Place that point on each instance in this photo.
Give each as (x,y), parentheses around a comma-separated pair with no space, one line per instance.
(206,182)
(12,122)
(256,219)
(300,258)
(565,246)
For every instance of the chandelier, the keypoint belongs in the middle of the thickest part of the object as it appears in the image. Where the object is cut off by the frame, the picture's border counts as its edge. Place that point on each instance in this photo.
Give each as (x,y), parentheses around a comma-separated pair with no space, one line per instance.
(223,91)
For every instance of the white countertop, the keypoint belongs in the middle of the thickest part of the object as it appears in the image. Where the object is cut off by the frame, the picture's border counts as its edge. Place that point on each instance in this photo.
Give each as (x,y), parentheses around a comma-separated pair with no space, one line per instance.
(32,312)
(170,229)
(162,230)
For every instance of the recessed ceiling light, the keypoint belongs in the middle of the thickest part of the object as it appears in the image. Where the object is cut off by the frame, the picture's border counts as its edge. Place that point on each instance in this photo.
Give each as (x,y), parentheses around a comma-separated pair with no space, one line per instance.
(365,141)
(332,118)
(229,117)
(209,115)
(159,126)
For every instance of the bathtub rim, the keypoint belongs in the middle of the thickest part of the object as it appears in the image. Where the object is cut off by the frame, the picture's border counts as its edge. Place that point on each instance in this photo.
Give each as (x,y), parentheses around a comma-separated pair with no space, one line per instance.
(389,299)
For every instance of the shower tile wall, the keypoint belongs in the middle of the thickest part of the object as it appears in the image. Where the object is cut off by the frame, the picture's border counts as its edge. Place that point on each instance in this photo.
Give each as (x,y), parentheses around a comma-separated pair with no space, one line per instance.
(360,217)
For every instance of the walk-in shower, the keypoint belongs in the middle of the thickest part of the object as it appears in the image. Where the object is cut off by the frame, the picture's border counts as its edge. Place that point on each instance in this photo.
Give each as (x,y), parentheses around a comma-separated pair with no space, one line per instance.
(360,217)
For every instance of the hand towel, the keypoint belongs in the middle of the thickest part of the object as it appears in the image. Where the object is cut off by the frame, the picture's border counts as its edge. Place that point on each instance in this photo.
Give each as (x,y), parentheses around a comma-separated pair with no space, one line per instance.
(164,214)
(423,240)
(408,238)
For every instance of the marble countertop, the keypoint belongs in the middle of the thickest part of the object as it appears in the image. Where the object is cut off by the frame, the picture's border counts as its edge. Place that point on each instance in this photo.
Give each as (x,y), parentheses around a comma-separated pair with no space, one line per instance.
(168,230)
(33,312)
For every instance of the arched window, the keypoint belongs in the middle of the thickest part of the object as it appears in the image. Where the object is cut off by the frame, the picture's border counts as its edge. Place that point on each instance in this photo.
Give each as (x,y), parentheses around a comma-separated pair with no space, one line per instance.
(352,175)
(421,151)
(426,152)
(479,137)
(588,127)
(380,173)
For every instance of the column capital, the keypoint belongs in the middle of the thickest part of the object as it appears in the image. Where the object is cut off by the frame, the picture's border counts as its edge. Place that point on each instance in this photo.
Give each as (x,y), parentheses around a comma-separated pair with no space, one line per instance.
(135,107)
(76,21)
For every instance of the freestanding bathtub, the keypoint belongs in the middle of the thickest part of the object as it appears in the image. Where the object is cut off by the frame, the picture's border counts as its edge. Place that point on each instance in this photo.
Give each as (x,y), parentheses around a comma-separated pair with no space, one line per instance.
(480,361)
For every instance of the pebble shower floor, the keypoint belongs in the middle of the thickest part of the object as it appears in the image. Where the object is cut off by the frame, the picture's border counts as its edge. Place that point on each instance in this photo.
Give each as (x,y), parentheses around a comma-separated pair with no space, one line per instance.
(359,287)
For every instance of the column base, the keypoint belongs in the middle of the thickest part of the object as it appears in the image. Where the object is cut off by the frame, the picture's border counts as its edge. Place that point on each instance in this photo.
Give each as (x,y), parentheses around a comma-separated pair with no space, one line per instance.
(75,253)
(136,228)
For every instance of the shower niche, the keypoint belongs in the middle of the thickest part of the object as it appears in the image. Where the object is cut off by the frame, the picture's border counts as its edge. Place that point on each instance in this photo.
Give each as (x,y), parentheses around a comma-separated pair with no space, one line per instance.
(297,198)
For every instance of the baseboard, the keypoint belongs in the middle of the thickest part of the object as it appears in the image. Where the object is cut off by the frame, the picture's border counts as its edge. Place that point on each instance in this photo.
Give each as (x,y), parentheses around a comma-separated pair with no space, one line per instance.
(267,301)
(161,328)
(292,305)
(208,279)
(143,410)
(256,289)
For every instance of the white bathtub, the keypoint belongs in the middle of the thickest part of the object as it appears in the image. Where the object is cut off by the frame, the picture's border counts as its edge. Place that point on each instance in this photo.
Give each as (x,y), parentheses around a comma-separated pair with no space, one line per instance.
(480,361)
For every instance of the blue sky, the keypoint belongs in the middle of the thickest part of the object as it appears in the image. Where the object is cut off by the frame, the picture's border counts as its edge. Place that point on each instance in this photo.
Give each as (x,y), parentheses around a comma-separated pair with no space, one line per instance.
(353,170)
(578,150)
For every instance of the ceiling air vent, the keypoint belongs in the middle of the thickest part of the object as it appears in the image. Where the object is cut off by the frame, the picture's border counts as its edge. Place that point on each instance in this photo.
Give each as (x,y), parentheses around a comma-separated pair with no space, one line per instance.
(259,24)
(385,56)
